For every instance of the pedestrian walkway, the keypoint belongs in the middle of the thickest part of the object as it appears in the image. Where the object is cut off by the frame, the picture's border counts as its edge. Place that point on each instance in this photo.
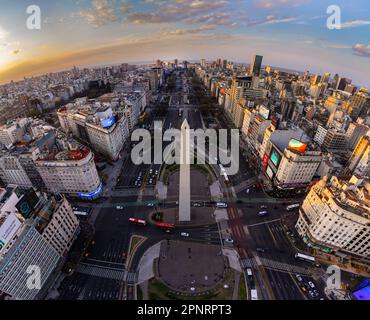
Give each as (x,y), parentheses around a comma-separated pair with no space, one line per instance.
(102,272)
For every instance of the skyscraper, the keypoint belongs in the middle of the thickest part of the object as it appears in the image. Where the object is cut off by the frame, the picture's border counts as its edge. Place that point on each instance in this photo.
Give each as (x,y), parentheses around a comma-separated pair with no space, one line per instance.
(255,69)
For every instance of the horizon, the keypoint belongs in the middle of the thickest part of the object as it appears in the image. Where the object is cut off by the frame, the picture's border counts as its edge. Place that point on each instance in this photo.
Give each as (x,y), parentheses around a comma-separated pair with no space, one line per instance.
(291,34)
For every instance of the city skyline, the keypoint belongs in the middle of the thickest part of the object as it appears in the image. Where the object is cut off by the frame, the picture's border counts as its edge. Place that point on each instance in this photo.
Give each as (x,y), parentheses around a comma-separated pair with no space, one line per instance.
(100,32)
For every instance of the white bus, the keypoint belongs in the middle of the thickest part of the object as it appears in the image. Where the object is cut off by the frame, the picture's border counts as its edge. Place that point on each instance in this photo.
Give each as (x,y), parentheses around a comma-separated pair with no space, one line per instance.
(304,257)
(223,171)
(293,206)
(254,294)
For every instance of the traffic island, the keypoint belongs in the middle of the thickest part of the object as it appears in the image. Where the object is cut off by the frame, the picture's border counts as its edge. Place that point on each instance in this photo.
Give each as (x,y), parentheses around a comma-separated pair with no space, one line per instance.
(135,243)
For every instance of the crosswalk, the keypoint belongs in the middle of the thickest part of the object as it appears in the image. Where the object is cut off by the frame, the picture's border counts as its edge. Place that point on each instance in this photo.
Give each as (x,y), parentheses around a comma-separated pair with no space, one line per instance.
(102,272)
(275,265)
(108,273)
(132,277)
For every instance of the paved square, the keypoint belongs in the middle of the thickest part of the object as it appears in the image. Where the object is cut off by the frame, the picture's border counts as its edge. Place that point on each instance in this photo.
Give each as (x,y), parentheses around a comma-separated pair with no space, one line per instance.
(186,265)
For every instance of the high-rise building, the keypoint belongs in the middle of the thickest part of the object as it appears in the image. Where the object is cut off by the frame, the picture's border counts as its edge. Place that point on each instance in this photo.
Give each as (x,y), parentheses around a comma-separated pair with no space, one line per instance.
(359,103)
(49,161)
(335,217)
(255,68)
(354,133)
(359,163)
(224,64)
(326,78)
(342,83)
(98,126)
(297,166)
(70,171)
(316,79)
(335,141)
(36,230)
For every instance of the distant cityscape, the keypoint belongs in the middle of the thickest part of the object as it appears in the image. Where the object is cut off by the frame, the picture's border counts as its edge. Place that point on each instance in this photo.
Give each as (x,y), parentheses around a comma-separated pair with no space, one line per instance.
(99,227)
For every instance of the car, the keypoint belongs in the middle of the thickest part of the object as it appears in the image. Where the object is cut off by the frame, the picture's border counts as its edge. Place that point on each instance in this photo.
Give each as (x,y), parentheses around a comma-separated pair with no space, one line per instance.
(221,205)
(303,289)
(248,190)
(229,240)
(299,278)
(311,293)
(156,172)
(261,250)
(120,208)
(311,284)
(150,205)
(197,204)
(318,266)
(184,234)
(262,213)
(263,207)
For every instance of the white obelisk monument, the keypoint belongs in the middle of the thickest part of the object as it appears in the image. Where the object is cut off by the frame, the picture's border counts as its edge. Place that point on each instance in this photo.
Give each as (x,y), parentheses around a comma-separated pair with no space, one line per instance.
(184,192)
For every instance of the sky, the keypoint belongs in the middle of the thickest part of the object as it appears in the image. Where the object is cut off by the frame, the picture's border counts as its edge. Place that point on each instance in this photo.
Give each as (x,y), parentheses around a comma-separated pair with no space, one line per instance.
(290,34)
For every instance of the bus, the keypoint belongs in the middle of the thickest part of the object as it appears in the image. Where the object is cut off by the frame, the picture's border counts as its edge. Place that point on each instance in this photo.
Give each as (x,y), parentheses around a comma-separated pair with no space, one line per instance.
(304,257)
(223,172)
(138,222)
(165,226)
(254,294)
(293,206)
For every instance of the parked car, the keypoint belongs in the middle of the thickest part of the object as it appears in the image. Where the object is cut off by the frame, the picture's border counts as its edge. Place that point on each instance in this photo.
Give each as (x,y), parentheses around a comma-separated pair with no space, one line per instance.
(299,278)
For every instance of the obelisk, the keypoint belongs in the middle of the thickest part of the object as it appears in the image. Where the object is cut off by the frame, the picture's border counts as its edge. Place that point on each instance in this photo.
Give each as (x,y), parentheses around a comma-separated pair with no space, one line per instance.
(184,189)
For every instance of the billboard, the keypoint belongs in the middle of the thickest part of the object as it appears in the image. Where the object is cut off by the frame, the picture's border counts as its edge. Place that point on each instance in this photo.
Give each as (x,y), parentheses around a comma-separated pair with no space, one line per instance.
(27,204)
(362,291)
(92,195)
(265,161)
(108,122)
(275,157)
(297,145)
(269,172)
(264,112)
(8,229)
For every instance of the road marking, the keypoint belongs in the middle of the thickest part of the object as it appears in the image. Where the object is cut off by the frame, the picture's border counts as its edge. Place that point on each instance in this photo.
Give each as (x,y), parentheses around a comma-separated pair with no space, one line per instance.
(262,223)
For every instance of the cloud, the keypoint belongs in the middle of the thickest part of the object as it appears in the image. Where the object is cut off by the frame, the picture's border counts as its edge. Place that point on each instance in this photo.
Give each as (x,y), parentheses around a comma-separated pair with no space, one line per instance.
(271,20)
(220,19)
(355,24)
(270,4)
(3,33)
(101,13)
(181,32)
(361,50)
(175,10)
(16,51)
(125,7)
